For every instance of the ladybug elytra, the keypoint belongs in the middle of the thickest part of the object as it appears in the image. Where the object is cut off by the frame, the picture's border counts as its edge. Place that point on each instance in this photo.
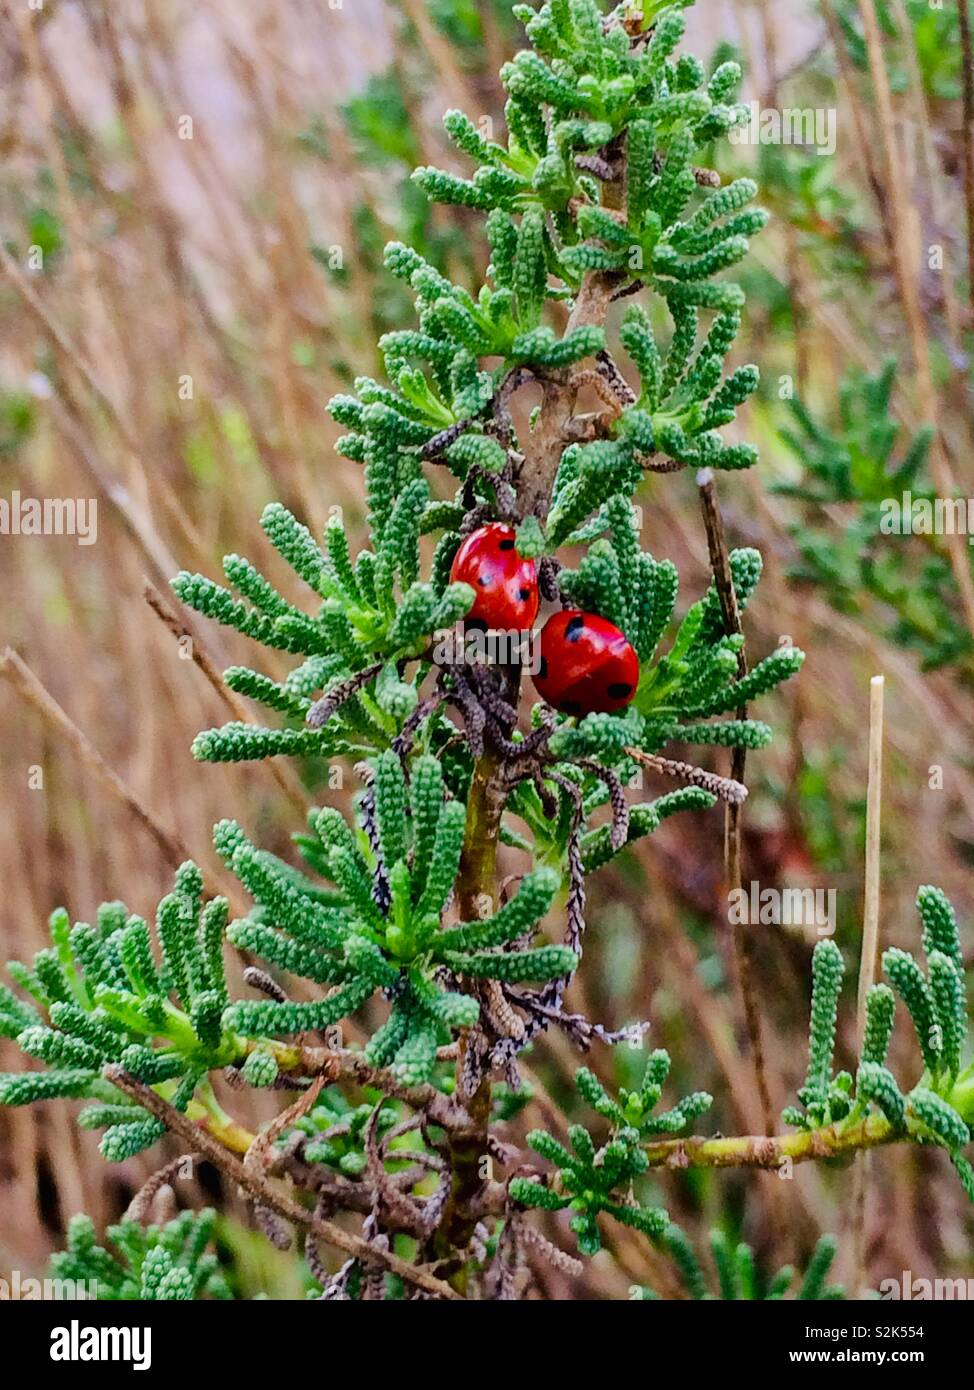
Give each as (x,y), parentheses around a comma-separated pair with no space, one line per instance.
(587,665)
(506,584)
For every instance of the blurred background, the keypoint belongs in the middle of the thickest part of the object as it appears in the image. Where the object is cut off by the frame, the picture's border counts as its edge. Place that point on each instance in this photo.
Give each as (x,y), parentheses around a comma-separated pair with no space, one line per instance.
(193,202)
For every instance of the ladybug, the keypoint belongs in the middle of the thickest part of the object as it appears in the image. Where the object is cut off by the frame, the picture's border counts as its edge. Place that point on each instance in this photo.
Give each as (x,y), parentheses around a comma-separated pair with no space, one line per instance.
(587,665)
(506,584)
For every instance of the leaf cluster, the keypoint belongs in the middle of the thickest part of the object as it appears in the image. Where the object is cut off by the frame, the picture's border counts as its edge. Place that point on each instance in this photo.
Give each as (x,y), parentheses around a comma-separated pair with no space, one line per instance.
(882,564)
(938,1109)
(738,1276)
(590,1178)
(103,994)
(156,1263)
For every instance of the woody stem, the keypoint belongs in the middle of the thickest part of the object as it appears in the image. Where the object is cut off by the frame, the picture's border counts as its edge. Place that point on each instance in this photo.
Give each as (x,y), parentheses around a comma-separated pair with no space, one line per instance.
(773,1151)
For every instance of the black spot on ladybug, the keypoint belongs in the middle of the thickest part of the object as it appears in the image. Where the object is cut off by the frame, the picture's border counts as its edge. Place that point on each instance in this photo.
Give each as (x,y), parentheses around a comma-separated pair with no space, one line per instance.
(543,671)
(570,707)
(524,594)
(483,580)
(620,689)
(574,629)
(506,545)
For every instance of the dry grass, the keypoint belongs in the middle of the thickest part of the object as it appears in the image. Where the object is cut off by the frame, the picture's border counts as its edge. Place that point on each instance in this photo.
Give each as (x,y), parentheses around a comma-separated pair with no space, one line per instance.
(190,257)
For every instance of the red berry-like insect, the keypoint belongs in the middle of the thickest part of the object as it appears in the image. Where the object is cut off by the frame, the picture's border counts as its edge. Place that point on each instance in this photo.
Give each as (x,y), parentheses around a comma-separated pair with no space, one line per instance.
(587,665)
(506,584)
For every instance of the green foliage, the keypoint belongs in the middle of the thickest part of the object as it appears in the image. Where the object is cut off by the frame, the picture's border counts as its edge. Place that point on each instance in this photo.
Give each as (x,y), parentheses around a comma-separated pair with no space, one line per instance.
(886,563)
(940,1106)
(594,186)
(593,1179)
(548,223)
(169,1023)
(374,616)
(678,692)
(596,87)
(108,997)
(170,1262)
(379,123)
(17,419)
(335,1131)
(380,928)
(933,44)
(737,1275)
(937,1004)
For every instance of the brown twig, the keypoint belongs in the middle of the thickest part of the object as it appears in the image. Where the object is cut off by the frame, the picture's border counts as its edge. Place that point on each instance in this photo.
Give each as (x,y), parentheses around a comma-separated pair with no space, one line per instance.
(870,915)
(870,952)
(902,215)
(610,370)
(255,1159)
(537,473)
(967,67)
(283,774)
(771,1151)
(261,1190)
(862,144)
(728,790)
(139,1207)
(724,585)
(315,1061)
(322,710)
(136,516)
(15,670)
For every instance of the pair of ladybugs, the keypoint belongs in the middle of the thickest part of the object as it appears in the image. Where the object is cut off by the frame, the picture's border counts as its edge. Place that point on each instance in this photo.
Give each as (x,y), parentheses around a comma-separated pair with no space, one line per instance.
(587,665)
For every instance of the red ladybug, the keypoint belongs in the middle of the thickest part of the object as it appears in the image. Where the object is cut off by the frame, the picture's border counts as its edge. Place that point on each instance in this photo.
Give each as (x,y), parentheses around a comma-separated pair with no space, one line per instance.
(587,665)
(506,584)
